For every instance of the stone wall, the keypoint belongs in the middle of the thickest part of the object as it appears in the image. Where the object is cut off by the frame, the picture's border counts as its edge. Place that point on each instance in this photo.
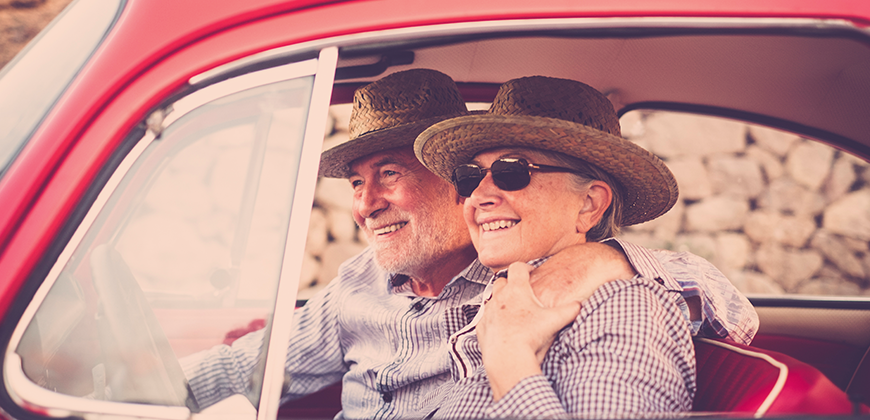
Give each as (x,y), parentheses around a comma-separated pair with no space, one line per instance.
(776,213)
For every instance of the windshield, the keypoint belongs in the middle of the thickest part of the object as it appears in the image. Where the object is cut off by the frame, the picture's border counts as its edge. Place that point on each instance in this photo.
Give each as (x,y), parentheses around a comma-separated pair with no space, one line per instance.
(184,256)
(56,56)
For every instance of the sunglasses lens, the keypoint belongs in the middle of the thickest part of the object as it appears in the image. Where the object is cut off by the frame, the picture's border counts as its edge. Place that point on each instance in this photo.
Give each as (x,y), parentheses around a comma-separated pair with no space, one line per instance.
(510,174)
(466,178)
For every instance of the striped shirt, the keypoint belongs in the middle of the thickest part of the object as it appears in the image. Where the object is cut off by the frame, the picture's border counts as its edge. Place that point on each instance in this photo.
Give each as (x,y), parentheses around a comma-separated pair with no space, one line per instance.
(390,348)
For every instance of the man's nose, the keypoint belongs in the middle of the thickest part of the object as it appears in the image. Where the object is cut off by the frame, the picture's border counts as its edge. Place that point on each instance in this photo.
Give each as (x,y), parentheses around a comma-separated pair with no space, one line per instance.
(371,200)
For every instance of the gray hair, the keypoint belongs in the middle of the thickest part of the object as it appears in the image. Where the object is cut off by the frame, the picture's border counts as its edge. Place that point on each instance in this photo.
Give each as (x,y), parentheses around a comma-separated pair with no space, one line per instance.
(611,221)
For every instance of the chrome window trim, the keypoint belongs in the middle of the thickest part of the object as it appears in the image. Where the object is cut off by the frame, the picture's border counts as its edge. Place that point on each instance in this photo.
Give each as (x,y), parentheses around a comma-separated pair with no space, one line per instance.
(555,24)
(29,395)
(300,214)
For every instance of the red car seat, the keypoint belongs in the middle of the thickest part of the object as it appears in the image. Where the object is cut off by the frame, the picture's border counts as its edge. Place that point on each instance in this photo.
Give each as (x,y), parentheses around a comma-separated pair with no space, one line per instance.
(744,379)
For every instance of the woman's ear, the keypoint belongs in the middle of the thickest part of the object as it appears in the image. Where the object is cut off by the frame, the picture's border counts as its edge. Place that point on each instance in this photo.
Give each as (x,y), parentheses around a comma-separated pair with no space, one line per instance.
(596,200)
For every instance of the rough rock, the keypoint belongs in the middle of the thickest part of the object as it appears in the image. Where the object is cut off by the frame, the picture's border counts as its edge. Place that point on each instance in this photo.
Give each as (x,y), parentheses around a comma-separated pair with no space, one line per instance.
(318,235)
(674,134)
(631,124)
(787,267)
(310,272)
(840,181)
(732,251)
(735,176)
(809,163)
(691,175)
(341,226)
(334,194)
(793,231)
(666,226)
(770,163)
(776,141)
(787,196)
(839,253)
(716,214)
(754,282)
(848,216)
(698,244)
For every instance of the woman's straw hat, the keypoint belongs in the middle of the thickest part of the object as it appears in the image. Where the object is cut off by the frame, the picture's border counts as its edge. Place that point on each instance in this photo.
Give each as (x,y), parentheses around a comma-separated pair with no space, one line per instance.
(560,115)
(390,113)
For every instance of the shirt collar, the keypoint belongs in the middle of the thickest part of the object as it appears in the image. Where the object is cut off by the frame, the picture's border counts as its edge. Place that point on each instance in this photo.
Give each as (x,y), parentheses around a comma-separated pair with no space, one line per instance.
(534,263)
(474,272)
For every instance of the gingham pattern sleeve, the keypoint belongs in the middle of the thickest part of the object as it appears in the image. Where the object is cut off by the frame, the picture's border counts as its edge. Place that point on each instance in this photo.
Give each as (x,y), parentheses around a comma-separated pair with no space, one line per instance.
(629,351)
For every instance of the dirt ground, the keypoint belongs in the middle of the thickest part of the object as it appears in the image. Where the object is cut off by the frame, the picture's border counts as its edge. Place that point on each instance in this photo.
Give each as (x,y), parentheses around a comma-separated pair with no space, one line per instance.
(21,21)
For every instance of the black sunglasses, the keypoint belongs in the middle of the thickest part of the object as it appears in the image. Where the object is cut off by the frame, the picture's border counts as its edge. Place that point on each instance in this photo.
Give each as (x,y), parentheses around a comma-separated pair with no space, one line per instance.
(507,174)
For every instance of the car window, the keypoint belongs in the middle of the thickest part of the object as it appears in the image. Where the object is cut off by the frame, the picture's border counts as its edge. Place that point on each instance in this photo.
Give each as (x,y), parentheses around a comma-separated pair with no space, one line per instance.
(777,213)
(184,251)
(55,56)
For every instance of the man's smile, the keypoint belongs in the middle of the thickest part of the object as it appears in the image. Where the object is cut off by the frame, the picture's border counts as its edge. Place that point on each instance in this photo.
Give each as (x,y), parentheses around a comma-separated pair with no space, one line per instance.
(390,228)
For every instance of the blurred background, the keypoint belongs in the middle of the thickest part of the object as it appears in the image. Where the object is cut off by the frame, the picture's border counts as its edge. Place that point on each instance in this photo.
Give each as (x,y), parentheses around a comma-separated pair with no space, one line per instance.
(778,214)
(21,20)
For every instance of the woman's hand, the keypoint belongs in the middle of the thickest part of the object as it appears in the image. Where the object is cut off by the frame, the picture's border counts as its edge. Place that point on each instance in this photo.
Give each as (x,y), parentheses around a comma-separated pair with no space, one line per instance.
(516,330)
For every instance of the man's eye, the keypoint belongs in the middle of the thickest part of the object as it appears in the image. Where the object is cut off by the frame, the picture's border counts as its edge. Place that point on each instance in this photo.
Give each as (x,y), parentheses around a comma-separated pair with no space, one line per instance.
(388,172)
(356,183)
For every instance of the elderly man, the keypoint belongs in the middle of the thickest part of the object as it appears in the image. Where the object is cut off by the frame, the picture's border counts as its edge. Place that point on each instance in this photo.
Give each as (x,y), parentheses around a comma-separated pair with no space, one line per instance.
(382,327)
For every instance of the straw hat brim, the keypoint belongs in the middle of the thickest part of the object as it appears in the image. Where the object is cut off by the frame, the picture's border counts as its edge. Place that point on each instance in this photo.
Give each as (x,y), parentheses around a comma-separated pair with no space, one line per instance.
(649,187)
(335,162)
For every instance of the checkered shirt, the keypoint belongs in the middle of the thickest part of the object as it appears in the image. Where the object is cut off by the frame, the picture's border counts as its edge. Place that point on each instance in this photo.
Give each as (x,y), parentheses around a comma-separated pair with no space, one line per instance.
(628,352)
(390,347)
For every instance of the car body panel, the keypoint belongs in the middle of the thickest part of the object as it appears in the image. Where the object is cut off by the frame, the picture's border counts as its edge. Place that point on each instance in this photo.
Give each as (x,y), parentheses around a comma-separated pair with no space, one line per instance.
(192,43)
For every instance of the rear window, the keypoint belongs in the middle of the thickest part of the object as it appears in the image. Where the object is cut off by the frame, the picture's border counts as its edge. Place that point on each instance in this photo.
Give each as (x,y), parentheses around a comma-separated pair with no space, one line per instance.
(776,213)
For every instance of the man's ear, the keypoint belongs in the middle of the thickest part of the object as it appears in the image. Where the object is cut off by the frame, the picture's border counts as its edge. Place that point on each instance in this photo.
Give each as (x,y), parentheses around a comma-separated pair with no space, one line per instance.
(596,200)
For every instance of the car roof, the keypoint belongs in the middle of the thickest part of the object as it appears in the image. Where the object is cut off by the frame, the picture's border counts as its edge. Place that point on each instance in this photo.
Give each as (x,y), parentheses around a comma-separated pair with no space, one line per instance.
(796,65)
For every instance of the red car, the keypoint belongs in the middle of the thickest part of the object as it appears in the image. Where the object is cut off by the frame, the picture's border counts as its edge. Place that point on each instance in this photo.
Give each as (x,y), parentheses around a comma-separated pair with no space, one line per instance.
(158,165)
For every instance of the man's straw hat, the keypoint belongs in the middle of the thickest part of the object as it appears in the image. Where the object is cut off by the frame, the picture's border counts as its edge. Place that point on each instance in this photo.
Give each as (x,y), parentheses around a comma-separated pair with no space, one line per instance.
(390,113)
(563,116)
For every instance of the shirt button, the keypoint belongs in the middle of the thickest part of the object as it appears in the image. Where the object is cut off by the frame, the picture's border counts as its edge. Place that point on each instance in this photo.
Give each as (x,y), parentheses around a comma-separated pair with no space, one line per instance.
(417,306)
(388,398)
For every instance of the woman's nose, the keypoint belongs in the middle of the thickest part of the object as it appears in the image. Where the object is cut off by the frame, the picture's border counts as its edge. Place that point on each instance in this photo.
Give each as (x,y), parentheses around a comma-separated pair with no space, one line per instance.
(487,193)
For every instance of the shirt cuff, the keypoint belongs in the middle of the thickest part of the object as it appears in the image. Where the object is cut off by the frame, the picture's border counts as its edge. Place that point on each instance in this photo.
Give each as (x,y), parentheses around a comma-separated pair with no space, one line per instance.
(532,397)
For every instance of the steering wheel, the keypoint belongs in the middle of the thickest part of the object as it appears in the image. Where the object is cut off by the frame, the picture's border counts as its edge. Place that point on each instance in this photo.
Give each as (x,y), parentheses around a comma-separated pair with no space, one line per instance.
(140,364)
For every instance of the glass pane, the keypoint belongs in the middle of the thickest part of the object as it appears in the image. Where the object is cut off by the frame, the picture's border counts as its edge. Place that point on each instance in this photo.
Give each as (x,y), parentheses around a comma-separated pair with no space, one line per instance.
(185,255)
(777,213)
(54,58)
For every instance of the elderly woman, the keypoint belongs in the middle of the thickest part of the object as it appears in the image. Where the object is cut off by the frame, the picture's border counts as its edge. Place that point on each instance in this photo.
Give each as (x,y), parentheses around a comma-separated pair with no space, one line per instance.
(545,169)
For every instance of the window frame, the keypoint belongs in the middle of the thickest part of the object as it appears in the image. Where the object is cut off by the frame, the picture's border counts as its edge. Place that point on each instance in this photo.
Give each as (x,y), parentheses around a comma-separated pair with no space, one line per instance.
(39,400)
